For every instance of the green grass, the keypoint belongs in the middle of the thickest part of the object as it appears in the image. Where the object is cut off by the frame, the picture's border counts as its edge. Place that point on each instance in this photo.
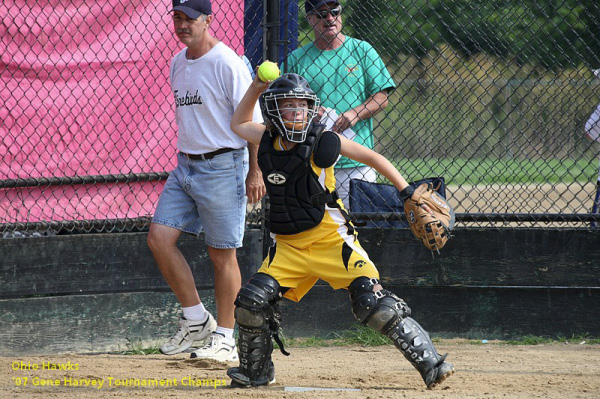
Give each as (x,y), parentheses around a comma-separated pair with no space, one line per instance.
(366,337)
(363,335)
(356,335)
(310,342)
(498,171)
(136,347)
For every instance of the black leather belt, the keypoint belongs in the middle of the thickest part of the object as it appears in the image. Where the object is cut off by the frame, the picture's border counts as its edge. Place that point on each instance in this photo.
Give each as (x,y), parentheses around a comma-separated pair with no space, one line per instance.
(208,155)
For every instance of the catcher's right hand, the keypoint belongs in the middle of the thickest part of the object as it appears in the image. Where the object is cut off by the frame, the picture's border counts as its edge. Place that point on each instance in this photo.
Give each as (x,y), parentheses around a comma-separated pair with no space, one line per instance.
(429,216)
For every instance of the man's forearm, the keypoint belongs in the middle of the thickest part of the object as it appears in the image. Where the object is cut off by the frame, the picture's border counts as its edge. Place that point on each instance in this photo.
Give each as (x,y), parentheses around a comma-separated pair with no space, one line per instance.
(372,106)
(253,156)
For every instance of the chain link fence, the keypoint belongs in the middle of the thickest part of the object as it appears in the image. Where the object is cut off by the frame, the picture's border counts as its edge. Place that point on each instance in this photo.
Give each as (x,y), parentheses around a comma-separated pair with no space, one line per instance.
(492,96)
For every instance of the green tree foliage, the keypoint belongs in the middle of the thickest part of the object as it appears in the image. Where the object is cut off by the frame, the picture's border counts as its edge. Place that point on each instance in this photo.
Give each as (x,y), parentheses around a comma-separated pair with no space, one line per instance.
(546,33)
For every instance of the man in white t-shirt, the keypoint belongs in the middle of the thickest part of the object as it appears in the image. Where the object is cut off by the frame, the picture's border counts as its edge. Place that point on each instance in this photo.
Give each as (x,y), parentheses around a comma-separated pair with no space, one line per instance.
(208,188)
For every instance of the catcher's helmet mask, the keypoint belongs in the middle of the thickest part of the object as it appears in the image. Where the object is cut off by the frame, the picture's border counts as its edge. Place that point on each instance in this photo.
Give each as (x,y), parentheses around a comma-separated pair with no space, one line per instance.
(289,85)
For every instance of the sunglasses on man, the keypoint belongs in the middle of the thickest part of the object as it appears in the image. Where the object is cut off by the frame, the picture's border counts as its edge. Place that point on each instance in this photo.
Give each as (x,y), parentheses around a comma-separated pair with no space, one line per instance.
(335,12)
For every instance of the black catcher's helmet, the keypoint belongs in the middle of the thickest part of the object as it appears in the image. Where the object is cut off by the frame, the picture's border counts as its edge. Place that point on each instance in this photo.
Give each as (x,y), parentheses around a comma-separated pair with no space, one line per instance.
(289,85)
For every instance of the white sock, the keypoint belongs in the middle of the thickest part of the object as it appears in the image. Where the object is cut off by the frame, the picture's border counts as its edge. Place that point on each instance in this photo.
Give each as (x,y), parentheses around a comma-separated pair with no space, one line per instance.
(226,332)
(196,312)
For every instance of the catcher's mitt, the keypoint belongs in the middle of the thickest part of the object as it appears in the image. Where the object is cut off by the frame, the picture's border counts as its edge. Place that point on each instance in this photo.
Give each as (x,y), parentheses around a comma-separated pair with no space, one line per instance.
(432,229)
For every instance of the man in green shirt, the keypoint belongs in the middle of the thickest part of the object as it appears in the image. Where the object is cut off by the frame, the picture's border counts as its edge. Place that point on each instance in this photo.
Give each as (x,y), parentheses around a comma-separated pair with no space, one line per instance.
(351,80)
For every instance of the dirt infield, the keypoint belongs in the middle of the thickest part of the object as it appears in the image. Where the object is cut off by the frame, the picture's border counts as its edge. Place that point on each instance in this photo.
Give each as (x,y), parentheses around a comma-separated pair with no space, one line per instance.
(489,370)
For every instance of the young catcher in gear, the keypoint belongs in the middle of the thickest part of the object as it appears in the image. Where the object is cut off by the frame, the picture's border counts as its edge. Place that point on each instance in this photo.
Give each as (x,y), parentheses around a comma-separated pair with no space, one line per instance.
(312,234)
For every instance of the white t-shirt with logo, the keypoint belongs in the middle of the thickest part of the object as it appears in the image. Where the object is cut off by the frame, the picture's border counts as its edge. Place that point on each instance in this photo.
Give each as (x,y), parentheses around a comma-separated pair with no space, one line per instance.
(207,90)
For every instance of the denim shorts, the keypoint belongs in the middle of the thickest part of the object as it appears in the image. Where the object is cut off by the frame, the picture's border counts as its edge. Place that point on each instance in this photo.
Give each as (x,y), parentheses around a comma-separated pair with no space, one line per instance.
(207,195)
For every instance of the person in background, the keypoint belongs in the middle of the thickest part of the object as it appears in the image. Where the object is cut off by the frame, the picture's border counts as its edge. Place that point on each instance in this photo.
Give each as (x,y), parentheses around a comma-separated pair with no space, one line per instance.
(350,78)
(208,188)
(592,131)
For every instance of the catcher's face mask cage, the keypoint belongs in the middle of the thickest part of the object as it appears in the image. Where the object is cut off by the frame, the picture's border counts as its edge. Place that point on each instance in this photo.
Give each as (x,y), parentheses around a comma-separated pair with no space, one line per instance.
(292,122)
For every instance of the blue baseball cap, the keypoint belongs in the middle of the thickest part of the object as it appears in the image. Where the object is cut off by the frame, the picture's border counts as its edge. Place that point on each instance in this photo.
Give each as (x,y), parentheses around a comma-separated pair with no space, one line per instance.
(193,8)
(311,5)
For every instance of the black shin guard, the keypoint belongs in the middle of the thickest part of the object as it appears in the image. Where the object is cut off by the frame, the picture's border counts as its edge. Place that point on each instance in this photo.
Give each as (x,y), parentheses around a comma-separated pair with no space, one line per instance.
(416,346)
(258,319)
(254,348)
(385,312)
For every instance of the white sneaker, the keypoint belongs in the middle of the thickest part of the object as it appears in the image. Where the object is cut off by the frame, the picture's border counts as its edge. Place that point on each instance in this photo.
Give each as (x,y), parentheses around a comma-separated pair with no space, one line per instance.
(217,348)
(189,331)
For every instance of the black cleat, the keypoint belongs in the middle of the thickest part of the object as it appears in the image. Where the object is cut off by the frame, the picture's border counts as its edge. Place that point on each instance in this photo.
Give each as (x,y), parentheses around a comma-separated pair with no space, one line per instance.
(239,380)
(438,374)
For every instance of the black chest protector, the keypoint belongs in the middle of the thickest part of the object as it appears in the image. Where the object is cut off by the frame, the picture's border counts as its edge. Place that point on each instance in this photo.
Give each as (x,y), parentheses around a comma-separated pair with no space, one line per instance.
(297,199)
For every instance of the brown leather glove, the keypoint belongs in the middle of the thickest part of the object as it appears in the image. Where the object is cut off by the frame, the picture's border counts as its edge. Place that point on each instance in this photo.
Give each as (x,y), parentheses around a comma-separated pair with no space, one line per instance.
(433,230)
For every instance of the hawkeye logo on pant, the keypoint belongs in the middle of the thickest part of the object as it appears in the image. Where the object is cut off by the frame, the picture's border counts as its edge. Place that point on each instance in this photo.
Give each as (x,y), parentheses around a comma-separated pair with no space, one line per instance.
(276,178)
(359,264)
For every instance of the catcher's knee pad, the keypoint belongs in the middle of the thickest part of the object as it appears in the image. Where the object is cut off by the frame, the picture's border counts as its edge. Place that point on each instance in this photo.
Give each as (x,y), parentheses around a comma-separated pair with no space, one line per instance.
(257,317)
(380,310)
(261,291)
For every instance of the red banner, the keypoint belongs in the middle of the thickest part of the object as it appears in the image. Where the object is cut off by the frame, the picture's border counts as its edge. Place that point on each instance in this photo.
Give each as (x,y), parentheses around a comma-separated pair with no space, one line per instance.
(85,91)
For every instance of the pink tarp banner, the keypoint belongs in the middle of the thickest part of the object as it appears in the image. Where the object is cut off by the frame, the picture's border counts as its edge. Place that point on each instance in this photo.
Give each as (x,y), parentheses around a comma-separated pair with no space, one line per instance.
(84,91)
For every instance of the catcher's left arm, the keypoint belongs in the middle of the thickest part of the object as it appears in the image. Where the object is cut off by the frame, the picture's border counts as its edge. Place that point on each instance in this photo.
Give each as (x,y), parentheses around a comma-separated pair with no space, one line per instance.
(433,216)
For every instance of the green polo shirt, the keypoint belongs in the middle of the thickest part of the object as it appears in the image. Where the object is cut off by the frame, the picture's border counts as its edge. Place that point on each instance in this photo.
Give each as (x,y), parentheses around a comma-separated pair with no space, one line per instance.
(343,79)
